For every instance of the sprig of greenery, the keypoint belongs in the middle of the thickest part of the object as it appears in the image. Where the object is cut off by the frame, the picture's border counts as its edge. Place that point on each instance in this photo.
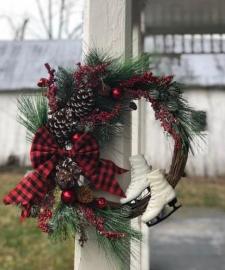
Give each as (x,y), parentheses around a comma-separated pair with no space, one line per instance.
(189,123)
(33,113)
(118,249)
(65,84)
(64,223)
(118,69)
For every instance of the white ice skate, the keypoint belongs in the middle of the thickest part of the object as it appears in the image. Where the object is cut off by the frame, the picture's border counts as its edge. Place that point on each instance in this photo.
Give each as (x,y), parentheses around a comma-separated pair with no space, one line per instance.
(162,194)
(139,182)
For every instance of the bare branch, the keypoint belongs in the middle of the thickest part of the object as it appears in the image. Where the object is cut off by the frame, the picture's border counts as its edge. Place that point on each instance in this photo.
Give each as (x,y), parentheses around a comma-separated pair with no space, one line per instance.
(41,13)
(50,30)
(61,18)
(23,29)
(18,31)
(46,18)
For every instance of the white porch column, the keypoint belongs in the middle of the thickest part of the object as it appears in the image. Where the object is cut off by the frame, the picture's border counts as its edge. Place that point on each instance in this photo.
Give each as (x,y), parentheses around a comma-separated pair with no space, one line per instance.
(138,139)
(107,26)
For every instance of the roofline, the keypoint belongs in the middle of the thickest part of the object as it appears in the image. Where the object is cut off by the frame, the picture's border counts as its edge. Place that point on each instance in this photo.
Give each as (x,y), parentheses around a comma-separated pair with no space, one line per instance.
(40,40)
(21,90)
(203,87)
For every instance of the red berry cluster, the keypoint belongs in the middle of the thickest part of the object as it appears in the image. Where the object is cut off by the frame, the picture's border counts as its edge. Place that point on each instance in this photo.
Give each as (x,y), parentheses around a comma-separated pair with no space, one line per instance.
(52,89)
(98,222)
(137,82)
(88,76)
(168,121)
(134,90)
(102,117)
(43,219)
(137,94)
(113,235)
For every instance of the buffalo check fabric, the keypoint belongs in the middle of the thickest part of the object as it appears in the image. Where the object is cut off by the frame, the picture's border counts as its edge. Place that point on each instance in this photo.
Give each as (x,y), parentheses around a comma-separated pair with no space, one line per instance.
(45,154)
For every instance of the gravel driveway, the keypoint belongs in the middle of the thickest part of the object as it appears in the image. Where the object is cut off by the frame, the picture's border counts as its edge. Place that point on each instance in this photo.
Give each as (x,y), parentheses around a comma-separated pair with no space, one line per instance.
(191,239)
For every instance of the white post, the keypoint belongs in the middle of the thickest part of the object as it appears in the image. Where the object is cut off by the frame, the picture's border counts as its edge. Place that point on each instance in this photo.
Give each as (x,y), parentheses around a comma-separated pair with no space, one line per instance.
(138,140)
(107,26)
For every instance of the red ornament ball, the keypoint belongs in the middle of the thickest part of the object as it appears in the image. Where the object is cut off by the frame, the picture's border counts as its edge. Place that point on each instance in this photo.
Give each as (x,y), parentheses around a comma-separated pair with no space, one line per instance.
(68,196)
(117,93)
(101,203)
(76,137)
(42,82)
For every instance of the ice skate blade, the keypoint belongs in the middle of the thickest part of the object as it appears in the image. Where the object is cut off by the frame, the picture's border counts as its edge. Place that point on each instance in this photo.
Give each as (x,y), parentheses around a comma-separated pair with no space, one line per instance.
(135,201)
(159,219)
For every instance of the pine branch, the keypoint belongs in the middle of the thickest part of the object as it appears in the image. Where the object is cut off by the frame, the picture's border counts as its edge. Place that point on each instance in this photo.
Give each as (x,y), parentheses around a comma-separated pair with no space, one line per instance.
(65,84)
(117,249)
(123,70)
(118,69)
(64,223)
(97,57)
(33,113)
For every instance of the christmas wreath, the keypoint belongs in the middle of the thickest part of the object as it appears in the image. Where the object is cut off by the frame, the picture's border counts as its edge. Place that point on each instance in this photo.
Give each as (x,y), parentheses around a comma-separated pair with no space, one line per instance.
(76,115)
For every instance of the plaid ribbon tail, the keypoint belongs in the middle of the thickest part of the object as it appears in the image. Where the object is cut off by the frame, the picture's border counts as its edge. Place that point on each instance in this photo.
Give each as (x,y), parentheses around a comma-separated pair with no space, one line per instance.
(104,177)
(31,188)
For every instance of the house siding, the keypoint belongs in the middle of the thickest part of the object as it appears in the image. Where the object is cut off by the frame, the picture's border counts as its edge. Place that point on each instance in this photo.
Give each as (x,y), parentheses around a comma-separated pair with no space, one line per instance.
(209,157)
(12,135)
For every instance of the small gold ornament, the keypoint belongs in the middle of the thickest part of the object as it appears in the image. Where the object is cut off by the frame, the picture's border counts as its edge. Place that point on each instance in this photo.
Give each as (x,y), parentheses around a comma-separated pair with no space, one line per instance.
(85,194)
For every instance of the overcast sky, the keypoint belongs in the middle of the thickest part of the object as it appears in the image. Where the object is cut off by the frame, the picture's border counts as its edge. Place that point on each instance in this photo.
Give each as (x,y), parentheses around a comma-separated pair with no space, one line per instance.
(13,12)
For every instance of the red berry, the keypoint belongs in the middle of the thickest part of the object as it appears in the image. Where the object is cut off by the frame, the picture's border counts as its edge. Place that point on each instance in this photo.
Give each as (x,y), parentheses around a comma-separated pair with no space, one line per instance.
(42,82)
(68,196)
(101,202)
(76,137)
(117,93)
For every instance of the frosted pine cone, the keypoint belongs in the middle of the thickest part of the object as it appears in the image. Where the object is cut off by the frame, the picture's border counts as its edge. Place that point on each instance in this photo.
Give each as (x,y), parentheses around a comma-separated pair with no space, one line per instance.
(82,102)
(62,124)
(67,174)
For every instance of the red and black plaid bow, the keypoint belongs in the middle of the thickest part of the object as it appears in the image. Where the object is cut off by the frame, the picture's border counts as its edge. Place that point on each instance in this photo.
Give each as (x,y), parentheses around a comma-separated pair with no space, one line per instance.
(45,154)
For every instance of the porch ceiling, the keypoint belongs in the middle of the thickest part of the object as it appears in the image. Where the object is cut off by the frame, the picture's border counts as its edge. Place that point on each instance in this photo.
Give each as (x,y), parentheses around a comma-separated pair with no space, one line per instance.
(185,17)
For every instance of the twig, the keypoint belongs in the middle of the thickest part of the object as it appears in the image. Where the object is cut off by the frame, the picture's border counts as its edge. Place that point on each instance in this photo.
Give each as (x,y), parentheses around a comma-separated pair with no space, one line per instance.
(61,18)
(41,13)
(50,33)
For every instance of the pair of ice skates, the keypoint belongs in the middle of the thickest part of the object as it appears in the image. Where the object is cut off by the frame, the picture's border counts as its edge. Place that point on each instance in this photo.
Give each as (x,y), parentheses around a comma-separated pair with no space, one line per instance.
(162,194)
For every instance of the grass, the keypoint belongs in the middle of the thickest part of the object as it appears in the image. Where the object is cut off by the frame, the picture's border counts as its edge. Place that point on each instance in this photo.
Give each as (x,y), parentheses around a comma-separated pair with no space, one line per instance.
(24,247)
(202,192)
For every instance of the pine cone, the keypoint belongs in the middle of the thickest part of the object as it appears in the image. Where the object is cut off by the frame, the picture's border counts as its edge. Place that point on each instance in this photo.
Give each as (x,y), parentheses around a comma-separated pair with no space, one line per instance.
(82,102)
(67,174)
(85,195)
(62,124)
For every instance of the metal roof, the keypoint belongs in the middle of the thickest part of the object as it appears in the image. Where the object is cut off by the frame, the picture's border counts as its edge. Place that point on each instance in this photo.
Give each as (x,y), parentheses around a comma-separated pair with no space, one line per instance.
(22,62)
(185,16)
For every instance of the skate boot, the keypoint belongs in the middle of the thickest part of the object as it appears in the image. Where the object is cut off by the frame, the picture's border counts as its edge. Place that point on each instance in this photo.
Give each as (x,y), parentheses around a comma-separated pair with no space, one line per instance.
(139,182)
(162,195)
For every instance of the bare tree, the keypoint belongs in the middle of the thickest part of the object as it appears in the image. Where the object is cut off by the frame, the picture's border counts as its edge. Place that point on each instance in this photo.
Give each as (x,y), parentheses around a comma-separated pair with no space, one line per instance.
(64,16)
(18,30)
(53,16)
(23,29)
(61,18)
